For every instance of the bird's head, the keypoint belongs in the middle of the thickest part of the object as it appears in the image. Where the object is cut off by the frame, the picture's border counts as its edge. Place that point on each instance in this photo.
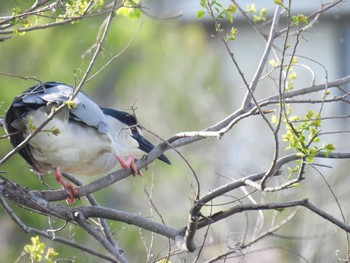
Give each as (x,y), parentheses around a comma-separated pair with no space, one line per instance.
(128,134)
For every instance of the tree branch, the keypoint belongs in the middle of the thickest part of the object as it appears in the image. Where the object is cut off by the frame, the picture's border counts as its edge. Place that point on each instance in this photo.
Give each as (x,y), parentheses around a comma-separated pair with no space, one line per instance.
(263,60)
(82,221)
(46,234)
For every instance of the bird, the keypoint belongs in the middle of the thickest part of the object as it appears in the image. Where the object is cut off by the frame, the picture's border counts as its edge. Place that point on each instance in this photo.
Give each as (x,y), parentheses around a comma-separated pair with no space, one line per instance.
(82,139)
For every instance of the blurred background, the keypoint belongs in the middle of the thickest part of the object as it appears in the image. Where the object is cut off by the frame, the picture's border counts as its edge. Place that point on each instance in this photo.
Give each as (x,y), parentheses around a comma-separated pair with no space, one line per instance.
(178,75)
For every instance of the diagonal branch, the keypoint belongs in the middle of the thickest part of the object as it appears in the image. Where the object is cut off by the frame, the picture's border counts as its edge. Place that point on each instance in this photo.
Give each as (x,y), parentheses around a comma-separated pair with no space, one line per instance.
(263,60)
(45,234)
(82,221)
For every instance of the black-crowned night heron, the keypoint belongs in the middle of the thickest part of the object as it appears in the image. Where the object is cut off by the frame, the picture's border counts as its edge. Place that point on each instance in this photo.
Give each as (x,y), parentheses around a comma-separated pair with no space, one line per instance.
(82,139)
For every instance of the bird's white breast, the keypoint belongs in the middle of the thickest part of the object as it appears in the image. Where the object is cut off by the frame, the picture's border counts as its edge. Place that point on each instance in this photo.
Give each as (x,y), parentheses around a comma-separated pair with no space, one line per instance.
(77,149)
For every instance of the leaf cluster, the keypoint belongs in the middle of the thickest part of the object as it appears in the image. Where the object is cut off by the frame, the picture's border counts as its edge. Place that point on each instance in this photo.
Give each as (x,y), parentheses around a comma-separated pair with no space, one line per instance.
(218,12)
(299,20)
(36,251)
(257,16)
(77,8)
(16,22)
(302,134)
(130,9)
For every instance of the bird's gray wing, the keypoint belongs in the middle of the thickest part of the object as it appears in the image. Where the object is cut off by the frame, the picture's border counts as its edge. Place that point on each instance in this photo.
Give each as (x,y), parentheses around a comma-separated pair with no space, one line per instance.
(83,109)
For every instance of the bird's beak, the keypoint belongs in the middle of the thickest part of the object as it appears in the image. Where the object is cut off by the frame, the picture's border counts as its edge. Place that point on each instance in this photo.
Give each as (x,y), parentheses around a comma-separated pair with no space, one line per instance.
(146,146)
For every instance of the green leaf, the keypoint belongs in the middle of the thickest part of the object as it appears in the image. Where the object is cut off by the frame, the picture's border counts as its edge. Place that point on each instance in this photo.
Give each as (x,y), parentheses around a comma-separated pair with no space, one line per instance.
(292,76)
(218,4)
(15,31)
(16,11)
(27,248)
(317,123)
(25,23)
(294,185)
(70,104)
(329,147)
(294,118)
(232,35)
(274,63)
(229,17)
(309,114)
(309,159)
(299,19)
(251,8)
(316,139)
(232,9)
(200,14)
(130,9)
(312,152)
(302,19)
(55,131)
(313,131)
(274,119)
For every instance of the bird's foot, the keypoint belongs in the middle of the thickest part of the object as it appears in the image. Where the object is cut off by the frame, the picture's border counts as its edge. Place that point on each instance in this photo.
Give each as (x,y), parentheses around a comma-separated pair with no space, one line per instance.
(129,162)
(72,192)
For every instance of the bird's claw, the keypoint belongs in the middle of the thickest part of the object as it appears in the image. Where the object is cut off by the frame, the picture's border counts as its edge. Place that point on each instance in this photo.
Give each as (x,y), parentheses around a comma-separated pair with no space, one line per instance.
(129,163)
(72,192)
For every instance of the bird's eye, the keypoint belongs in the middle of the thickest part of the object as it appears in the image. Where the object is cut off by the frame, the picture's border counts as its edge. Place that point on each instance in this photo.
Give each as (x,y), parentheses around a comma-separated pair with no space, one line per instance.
(133,130)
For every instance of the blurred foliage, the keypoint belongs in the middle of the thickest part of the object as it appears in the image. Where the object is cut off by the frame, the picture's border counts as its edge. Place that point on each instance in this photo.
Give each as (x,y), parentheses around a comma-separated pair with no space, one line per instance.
(37,252)
(154,74)
(130,9)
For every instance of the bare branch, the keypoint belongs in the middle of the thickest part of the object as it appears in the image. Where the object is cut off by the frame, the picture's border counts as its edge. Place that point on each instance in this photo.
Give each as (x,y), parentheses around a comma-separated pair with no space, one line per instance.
(81,220)
(45,234)
(311,89)
(263,60)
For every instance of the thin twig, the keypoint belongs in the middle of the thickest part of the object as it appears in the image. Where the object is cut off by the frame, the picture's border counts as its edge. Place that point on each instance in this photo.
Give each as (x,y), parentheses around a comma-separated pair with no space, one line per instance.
(338,205)
(264,58)
(116,56)
(97,51)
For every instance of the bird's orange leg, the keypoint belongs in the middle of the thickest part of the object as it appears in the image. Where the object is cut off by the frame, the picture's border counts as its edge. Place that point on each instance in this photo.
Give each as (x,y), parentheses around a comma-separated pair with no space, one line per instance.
(129,162)
(72,192)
